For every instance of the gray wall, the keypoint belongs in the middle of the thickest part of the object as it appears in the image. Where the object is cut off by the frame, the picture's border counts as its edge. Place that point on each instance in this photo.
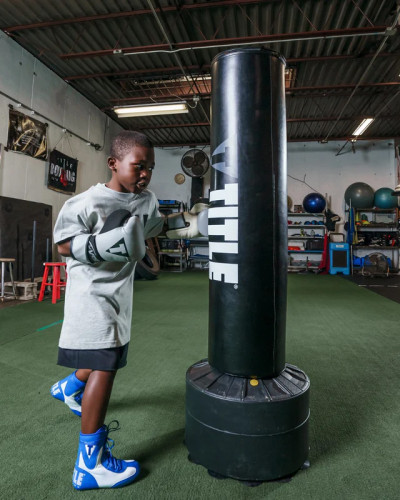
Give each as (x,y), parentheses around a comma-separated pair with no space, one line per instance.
(27,81)
(310,166)
(319,166)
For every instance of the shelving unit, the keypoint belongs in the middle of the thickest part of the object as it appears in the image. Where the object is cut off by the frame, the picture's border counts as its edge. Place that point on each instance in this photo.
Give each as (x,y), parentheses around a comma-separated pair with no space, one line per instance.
(172,255)
(198,253)
(373,227)
(179,254)
(306,232)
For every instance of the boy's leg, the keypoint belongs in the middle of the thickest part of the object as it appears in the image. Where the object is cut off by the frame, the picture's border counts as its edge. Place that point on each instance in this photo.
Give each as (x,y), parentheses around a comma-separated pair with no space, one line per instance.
(83,375)
(95,466)
(70,390)
(95,400)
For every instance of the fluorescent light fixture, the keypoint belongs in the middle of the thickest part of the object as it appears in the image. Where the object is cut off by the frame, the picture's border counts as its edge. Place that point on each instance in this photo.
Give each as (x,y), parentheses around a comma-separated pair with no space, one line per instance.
(166,108)
(363,126)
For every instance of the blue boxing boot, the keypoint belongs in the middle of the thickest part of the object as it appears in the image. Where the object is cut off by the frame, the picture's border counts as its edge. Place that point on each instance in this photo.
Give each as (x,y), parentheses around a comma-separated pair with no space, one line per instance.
(70,391)
(95,466)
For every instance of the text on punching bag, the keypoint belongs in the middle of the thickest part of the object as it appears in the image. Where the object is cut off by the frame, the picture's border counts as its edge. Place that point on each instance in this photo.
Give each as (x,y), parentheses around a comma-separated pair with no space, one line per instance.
(224,271)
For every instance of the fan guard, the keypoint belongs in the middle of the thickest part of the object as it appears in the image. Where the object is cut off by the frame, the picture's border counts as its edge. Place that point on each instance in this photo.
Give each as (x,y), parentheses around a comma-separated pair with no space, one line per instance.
(195,163)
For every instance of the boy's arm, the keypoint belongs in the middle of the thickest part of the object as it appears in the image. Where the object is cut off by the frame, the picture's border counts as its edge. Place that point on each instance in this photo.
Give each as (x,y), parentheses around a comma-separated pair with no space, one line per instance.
(154,220)
(120,240)
(64,248)
(154,226)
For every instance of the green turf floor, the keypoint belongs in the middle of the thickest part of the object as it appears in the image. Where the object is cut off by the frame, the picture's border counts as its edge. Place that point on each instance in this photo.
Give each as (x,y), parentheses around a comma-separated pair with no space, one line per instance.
(344,337)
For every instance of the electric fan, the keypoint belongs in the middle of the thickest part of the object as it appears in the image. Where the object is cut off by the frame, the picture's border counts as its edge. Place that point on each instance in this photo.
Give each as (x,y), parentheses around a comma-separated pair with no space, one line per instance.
(195,163)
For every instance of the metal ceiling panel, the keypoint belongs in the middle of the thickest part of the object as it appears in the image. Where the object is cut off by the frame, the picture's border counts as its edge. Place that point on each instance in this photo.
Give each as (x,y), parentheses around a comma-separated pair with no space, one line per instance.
(345,58)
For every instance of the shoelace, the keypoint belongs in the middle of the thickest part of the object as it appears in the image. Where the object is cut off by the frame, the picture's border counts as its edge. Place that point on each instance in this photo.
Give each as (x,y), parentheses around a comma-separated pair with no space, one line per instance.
(111,461)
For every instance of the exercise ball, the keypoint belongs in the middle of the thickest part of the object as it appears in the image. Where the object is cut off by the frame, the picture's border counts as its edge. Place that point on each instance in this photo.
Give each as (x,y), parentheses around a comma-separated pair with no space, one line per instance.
(359,195)
(383,198)
(314,203)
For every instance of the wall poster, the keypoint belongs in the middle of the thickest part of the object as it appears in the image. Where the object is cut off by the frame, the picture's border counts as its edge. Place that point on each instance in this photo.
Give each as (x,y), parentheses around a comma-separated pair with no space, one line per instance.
(62,172)
(26,135)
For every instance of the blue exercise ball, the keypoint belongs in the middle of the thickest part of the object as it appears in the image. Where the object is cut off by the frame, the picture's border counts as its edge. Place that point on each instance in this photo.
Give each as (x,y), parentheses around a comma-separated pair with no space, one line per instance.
(314,203)
(383,198)
(359,195)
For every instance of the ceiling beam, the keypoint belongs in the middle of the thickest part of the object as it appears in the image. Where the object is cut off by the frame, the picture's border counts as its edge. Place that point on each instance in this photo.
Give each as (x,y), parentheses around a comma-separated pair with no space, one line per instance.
(301,139)
(291,91)
(341,57)
(132,13)
(288,120)
(343,138)
(341,86)
(127,100)
(226,42)
(334,118)
(177,125)
(137,72)
(206,68)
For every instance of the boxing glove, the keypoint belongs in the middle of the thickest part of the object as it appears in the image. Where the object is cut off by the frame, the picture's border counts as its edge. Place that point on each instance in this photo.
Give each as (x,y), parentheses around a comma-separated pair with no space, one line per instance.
(182,225)
(201,209)
(120,240)
(202,222)
(187,225)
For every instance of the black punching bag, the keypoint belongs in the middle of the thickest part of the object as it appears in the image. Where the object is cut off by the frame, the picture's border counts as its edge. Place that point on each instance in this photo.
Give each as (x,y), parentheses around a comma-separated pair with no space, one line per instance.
(246,410)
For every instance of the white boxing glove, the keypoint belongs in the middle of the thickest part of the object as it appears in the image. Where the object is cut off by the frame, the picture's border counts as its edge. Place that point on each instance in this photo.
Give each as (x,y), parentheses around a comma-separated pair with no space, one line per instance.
(202,222)
(120,240)
(182,225)
(198,207)
(187,225)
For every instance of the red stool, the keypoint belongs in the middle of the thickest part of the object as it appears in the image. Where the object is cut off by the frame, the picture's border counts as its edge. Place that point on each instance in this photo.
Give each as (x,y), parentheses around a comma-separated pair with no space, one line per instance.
(56,283)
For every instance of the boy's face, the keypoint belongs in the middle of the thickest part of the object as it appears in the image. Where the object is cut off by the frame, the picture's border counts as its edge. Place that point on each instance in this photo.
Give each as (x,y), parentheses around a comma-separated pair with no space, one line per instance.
(133,173)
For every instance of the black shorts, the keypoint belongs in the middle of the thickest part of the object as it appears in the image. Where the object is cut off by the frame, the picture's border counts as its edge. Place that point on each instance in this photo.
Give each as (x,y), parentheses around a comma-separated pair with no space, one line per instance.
(94,359)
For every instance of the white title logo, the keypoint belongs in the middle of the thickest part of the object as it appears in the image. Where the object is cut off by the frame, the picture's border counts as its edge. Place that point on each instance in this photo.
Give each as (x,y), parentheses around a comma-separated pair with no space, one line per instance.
(224,271)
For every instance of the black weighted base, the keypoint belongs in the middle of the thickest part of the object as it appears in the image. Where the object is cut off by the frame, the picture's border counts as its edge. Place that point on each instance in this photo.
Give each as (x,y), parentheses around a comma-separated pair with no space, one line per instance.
(253,484)
(247,429)
(215,475)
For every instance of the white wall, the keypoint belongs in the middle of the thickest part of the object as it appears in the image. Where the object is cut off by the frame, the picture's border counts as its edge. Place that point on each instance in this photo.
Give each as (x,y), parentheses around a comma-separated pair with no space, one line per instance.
(28,81)
(313,164)
(168,164)
(319,166)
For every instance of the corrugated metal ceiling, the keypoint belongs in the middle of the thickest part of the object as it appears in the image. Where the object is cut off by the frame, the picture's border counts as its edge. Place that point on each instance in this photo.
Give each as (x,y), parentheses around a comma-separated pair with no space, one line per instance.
(345,60)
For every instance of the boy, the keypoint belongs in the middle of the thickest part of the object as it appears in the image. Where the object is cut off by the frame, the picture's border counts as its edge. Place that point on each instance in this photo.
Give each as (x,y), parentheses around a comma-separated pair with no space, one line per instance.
(102,233)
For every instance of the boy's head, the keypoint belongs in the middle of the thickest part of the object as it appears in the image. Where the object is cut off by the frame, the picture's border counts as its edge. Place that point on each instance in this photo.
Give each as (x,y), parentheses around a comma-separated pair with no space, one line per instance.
(125,141)
(131,162)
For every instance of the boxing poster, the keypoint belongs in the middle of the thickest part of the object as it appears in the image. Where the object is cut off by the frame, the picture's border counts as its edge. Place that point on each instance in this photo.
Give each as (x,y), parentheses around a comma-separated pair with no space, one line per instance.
(26,135)
(62,172)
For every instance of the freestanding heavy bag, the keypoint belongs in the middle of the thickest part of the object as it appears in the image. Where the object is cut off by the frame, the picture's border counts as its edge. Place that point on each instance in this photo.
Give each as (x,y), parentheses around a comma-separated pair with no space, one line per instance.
(246,410)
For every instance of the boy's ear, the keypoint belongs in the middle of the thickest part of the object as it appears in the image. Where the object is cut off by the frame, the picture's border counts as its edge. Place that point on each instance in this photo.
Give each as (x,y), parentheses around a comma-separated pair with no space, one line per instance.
(111,163)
